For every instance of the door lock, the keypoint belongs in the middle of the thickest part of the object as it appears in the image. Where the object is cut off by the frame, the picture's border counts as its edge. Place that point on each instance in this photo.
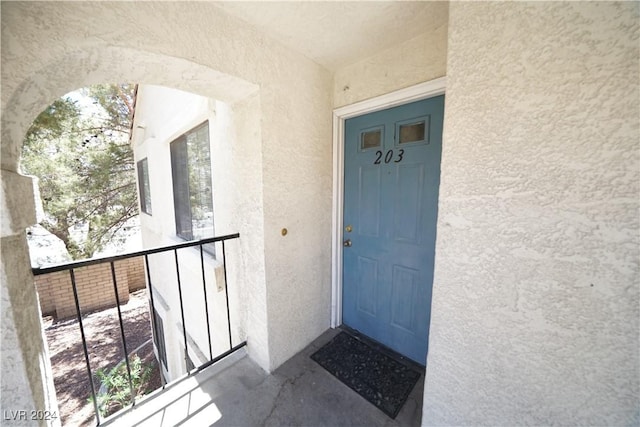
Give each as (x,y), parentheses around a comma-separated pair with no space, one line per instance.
(347,243)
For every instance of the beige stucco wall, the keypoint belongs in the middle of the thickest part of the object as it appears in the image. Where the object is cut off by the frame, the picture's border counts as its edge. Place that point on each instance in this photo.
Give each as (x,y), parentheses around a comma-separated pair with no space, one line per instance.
(539,196)
(297,196)
(535,300)
(49,49)
(418,60)
(162,115)
(26,380)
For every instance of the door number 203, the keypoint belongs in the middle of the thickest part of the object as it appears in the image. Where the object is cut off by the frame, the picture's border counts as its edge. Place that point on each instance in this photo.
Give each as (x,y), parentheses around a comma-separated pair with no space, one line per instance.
(388,157)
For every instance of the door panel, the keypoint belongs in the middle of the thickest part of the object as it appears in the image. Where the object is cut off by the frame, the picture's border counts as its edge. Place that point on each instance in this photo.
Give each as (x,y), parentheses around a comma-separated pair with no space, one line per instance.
(409,186)
(392,175)
(370,201)
(367,295)
(403,297)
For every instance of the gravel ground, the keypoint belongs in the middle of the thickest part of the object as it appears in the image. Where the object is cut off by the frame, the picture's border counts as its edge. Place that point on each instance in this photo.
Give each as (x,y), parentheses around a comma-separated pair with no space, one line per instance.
(104,344)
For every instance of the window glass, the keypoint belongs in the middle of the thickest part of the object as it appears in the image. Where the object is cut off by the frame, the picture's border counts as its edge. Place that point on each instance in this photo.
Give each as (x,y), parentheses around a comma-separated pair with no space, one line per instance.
(412,132)
(143,186)
(201,199)
(158,337)
(180,175)
(371,139)
(192,185)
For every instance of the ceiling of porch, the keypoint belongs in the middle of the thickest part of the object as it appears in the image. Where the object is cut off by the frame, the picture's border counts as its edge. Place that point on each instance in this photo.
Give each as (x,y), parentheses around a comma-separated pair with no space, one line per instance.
(335,34)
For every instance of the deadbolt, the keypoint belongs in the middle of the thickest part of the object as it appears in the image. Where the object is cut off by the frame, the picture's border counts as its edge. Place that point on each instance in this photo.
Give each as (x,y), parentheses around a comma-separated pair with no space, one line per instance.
(347,243)
(349,228)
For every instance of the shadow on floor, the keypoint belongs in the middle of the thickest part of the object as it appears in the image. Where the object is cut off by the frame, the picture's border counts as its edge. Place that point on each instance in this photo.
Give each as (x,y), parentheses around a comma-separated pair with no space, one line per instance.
(236,392)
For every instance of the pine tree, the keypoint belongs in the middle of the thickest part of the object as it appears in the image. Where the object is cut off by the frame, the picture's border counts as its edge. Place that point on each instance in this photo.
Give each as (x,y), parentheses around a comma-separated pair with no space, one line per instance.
(84,165)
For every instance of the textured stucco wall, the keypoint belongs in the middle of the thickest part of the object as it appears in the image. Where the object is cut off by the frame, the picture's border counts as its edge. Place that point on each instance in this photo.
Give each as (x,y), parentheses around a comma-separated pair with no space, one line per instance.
(535,300)
(247,254)
(297,195)
(418,60)
(235,129)
(49,49)
(25,374)
(162,115)
(17,393)
(27,382)
(165,114)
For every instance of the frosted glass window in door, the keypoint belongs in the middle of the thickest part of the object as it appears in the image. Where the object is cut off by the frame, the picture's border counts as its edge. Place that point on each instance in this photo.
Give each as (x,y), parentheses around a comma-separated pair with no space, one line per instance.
(371,139)
(413,132)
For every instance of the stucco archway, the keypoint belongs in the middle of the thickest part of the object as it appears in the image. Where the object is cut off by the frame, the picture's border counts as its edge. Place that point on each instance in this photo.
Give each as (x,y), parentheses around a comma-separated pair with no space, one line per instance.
(108,64)
(24,345)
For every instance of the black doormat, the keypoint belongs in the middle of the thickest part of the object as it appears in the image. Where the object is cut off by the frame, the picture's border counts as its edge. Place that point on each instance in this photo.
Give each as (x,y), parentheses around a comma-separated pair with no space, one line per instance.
(377,377)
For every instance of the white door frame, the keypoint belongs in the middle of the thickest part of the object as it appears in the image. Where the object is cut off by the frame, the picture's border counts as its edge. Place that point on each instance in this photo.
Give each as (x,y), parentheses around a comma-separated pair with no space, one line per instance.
(403,96)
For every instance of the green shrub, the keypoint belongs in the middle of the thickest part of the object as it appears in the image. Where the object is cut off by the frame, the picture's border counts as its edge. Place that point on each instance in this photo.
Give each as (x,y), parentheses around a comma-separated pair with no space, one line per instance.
(116,382)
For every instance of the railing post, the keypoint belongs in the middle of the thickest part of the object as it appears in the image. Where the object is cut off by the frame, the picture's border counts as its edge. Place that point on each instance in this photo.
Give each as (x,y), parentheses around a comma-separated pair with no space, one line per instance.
(84,344)
(226,292)
(153,313)
(184,327)
(71,267)
(206,304)
(124,339)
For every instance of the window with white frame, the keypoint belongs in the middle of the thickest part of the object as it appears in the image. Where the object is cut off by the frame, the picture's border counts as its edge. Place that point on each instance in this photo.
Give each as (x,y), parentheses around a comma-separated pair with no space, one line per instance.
(192,185)
(143,186)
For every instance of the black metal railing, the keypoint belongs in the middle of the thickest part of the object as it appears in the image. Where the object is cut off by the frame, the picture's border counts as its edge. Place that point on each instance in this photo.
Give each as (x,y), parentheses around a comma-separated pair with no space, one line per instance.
(71,267)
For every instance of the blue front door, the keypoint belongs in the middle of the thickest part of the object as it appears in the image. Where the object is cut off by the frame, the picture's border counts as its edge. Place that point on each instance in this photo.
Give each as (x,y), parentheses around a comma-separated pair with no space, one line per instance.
(392,175)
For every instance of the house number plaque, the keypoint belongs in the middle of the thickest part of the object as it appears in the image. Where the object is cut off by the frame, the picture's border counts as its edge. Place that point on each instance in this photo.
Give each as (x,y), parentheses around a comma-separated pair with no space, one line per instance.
(388,157)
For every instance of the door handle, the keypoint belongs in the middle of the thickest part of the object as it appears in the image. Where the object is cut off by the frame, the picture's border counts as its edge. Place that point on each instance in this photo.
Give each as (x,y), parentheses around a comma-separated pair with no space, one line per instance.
(347,243)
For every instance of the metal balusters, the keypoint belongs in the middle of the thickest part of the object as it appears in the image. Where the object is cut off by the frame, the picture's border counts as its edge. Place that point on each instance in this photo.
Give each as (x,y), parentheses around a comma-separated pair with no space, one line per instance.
(184,326)
(93,261)
(145,253)
(124,339)
(153,311)
(221,356)
(84,344)
(226,293)
(206,304)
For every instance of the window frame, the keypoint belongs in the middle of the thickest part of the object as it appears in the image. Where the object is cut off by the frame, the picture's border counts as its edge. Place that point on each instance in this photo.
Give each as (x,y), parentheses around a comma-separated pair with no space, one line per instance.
(180,178)
(144,184)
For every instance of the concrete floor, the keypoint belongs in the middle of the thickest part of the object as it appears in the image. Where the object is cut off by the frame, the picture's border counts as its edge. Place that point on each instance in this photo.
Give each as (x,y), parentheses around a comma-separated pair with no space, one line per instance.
(236,392)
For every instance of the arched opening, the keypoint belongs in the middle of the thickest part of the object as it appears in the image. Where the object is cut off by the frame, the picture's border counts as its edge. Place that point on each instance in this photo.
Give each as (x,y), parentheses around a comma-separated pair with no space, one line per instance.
(118,64)
(105,65)
(79,151)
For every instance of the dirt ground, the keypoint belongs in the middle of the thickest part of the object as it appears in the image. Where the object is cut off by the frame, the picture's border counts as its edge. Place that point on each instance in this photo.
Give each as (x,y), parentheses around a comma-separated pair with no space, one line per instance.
(104,345)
